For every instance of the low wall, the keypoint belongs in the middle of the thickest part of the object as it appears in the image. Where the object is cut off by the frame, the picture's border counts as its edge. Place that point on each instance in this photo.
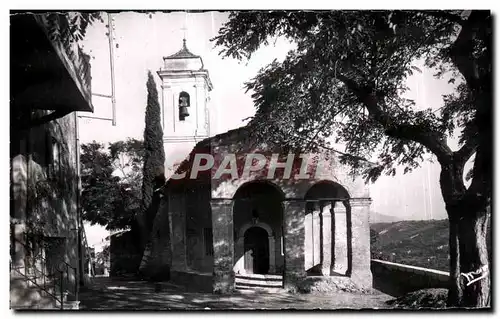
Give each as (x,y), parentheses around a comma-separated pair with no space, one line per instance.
(398,279)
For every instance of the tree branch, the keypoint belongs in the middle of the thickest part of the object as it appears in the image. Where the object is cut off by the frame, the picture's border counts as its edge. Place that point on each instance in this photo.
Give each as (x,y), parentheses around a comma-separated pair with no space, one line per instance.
(445,14)
(432,140)
(462,49)
(465,152)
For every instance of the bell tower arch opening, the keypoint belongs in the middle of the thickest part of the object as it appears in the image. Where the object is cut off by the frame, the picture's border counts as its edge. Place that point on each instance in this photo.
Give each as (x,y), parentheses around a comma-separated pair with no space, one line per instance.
(184,104)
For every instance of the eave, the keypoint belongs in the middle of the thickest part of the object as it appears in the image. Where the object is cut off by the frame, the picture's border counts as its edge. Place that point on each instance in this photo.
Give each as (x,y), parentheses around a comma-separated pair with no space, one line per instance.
(43,74)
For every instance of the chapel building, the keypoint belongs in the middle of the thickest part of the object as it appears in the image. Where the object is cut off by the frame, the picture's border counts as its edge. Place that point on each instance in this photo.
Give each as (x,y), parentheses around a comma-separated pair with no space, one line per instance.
(220,227)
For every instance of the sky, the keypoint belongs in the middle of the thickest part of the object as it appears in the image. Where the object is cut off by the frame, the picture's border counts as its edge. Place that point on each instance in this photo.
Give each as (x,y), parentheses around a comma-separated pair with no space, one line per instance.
(142,40)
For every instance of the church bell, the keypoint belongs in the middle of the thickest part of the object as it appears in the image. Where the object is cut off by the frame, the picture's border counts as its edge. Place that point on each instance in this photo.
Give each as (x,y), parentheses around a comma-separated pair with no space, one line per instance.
(183,111)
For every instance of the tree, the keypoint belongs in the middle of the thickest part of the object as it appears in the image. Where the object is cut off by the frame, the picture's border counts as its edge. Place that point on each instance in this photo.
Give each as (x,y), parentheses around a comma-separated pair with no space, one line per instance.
(154,161)
(347,75)
(128,160)
(107,199)
(102,258)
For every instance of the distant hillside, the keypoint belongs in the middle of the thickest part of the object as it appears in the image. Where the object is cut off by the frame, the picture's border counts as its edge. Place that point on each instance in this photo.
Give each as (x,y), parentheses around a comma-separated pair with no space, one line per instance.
(381,218)
(417,243)
(422,243)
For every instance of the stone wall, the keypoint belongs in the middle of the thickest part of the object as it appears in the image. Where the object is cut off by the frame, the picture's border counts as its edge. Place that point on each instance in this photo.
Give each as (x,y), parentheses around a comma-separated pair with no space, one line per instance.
(398,279)
(44,203)
(50,176)
(320,166)
(198,222)
(44,183)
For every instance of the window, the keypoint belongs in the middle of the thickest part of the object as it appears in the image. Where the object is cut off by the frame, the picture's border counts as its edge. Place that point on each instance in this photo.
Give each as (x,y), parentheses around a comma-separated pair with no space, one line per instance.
(54,159)
(208,241)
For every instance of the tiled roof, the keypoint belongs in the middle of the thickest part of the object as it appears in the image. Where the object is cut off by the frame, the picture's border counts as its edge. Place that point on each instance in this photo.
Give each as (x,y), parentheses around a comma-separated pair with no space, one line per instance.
(184,53)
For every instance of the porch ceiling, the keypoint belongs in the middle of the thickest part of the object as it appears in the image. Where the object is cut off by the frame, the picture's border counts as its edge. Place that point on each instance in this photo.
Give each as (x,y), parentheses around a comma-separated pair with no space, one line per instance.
(42,76)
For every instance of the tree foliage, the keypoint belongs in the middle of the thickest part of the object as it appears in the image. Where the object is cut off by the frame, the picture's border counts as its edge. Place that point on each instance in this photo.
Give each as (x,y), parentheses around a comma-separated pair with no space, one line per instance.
(70,27)
(154,156)
(341,59)
(347,77)
(111,183)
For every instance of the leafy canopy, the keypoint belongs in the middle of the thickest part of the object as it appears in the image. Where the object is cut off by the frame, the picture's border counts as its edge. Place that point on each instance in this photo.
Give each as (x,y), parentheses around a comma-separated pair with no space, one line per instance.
(111,183)
(347,76)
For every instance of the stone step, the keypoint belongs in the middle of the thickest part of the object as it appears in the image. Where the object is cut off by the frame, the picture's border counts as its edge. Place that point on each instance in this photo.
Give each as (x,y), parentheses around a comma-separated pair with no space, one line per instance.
(259,283)
(269,283)
(260,276)
(249,290)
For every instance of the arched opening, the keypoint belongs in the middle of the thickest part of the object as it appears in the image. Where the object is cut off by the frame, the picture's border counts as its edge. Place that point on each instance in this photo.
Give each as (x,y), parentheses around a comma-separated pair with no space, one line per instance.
(256,250)
(327,230)
(184,103)
(258,220)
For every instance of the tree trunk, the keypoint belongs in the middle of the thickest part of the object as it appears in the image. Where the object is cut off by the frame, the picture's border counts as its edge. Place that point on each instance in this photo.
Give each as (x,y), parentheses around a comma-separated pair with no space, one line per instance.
(473,248)
(468,253)
(468,217)
(455,293)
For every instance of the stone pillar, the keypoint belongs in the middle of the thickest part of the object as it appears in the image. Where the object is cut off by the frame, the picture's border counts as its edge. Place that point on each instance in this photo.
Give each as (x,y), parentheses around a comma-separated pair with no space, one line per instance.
(360,241)
(308,237)
(326,216)
(272,255)
(294,213)
(178,226)
(316,233)
(340,243)
(223,241)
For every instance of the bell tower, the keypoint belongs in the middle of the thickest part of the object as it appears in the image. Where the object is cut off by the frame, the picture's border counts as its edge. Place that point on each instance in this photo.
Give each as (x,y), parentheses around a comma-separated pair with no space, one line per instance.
(185,98)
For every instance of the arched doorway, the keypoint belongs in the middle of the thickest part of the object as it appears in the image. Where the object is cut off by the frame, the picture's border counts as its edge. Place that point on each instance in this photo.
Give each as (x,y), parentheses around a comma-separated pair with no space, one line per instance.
(258,220)
(256,247)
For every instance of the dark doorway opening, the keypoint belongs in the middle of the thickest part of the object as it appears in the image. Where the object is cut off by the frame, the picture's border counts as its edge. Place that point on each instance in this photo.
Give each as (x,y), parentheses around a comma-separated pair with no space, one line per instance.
(256,245)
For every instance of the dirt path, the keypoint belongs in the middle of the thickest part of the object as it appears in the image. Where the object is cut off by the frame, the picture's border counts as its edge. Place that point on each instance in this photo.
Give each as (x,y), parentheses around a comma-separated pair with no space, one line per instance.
(108,294)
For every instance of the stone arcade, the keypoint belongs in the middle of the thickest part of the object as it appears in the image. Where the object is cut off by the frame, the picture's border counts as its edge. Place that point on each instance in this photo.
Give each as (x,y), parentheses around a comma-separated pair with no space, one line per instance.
(218,234)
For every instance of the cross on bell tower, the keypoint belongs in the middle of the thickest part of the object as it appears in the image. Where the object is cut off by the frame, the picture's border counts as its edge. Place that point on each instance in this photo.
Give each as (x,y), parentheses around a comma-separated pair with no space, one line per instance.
(184,29)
